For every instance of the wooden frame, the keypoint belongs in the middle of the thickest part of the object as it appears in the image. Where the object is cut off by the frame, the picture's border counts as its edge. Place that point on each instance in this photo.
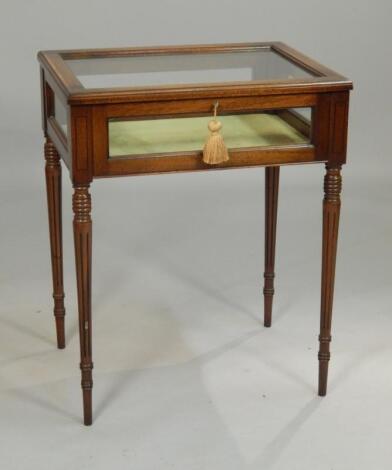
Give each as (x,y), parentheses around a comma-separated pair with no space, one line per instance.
(84,150)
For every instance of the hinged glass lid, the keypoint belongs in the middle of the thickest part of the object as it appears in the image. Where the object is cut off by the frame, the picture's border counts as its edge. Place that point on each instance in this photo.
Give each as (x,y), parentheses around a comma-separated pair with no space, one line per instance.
(262,64)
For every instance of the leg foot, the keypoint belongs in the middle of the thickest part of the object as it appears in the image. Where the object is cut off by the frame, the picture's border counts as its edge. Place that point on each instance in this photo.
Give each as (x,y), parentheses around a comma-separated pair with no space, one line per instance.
(87,387)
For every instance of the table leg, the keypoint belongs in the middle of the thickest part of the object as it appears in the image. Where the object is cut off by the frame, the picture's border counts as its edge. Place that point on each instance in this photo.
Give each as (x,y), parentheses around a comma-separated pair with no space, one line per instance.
(81,203)
(331,211)
(271,210)
(53,192)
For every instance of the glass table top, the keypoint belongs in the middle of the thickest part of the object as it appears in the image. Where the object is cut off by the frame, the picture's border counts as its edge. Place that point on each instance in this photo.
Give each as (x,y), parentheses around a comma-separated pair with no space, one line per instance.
(180,68)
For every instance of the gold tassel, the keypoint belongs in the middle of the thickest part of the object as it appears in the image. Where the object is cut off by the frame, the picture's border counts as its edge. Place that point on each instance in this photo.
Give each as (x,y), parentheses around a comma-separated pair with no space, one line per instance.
(215,150)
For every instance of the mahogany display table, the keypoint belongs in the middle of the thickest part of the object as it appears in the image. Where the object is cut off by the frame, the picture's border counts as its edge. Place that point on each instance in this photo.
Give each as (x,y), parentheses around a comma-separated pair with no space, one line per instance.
(116,112)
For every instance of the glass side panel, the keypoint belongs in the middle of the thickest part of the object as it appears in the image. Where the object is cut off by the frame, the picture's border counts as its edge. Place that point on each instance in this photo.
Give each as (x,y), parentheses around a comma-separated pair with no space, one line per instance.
(186,134)
(154,70)
(60,114)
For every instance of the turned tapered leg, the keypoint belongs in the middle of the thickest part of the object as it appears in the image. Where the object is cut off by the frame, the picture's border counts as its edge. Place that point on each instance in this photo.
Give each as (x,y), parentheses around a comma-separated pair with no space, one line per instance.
(331,211)
(53,191)
(81,203)
(271,211)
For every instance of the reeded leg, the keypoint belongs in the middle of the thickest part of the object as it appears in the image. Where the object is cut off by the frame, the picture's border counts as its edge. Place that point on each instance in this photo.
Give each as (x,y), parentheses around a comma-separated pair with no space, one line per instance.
(331,211)
(271,210)
(81,203)
(53,191)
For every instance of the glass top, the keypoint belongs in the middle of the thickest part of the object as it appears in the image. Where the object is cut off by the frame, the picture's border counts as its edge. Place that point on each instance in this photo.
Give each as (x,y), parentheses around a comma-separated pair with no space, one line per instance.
(179,68)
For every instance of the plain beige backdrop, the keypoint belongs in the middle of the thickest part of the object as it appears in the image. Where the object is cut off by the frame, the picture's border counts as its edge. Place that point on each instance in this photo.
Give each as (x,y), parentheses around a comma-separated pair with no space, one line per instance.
(185,375)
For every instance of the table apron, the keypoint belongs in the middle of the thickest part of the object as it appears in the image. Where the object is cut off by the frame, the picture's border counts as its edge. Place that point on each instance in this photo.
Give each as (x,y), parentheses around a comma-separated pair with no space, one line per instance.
(192,161)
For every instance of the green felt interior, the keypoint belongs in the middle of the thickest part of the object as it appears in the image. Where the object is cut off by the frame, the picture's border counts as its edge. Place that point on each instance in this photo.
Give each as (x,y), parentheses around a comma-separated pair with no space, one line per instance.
(189,134)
